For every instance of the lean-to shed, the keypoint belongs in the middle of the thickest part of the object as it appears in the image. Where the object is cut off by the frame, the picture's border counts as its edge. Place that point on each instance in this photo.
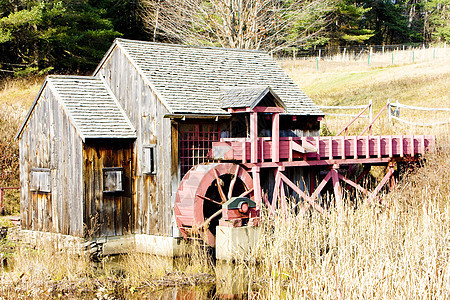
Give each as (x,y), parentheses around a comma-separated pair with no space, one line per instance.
(75,141)
(150,112)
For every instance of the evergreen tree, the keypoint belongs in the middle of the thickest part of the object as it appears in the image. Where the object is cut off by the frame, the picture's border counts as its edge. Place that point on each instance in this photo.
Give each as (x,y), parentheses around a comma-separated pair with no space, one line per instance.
(347,28)
(39,36)
(437,22)
(388,20)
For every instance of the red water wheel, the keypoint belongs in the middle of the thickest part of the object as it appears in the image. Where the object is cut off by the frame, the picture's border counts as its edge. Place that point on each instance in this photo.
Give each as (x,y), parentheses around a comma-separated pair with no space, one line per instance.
(201,194)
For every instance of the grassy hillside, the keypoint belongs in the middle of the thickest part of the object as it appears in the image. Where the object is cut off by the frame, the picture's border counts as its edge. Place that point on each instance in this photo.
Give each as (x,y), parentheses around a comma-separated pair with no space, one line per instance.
(354,83)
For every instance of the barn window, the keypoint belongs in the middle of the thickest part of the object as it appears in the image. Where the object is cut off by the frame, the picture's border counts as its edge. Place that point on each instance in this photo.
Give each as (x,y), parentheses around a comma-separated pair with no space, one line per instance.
(112,180)
(40,180)
(149,163)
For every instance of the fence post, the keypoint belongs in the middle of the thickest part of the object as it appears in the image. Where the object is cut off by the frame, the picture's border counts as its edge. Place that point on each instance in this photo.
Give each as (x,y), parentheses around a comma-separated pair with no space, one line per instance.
(397,112)
(370,110)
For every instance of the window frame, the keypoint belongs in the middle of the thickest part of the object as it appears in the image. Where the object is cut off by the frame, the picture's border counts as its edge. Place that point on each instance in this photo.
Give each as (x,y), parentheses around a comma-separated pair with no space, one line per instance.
(40,180)
(149,162)
(107,170)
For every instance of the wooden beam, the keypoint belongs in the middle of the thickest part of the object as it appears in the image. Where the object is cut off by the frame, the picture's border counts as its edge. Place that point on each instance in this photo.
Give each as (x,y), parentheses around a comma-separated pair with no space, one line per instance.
(257,187)
(337,190)
(254,137)
(382,183)
(275,137)
(276,189)
(310,163)
(354,184)
(310,200)
(261,109)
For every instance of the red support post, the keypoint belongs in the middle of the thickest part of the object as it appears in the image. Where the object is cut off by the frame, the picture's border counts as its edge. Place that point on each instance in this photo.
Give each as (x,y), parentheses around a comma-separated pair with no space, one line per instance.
(383,182)
(276,137)
(337,190)
(257,187)
(276,189)
(254,137)
(283,202)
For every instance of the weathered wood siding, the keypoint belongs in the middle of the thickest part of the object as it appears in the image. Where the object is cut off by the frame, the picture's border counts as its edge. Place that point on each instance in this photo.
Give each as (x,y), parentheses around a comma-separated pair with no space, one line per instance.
(107,213)
(152,194)
(50,141)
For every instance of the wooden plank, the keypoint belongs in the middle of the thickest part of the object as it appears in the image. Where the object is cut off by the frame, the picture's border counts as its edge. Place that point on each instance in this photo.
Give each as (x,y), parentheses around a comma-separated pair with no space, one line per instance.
(275,137)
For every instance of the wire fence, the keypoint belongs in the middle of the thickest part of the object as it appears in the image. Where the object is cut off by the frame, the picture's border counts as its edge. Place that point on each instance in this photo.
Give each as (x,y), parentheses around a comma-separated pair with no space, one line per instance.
(374,54)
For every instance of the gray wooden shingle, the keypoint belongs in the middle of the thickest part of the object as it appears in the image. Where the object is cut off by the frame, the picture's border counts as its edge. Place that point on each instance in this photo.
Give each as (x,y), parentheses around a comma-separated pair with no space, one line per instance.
(189,78)
(93,109)
(250,96)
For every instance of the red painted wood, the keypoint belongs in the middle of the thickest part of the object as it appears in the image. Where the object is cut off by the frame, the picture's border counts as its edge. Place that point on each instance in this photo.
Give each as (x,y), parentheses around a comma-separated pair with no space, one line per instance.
(188,207)
(261,109)
(254,136)
(362,148)
(276,137)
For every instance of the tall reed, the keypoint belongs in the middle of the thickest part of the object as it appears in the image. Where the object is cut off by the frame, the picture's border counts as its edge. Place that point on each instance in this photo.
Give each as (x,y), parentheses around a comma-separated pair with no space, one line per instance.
(399,250)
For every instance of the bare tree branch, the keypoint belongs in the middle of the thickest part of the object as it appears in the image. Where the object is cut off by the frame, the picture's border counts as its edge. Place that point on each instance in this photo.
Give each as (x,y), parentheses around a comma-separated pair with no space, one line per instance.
(248,24)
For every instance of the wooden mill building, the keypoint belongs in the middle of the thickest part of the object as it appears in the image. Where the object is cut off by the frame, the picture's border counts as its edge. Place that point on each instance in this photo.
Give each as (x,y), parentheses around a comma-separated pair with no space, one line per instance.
(104,155)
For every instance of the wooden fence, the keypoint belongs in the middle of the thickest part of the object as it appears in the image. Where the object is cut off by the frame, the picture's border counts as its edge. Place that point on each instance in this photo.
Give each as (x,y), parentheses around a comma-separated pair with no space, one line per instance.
(394,114)
(392,109)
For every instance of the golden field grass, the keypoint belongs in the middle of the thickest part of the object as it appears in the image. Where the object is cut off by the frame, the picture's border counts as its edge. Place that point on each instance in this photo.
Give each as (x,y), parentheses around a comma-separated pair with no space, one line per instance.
(397,250)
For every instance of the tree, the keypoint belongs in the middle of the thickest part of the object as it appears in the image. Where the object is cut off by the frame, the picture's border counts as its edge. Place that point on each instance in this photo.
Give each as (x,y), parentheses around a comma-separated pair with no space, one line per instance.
(39,36)
(389,21)
(347,28)
(248,24)
(437,20)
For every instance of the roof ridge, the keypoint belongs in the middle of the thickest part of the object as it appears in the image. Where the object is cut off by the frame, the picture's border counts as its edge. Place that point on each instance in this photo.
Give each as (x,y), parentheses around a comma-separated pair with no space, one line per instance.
(72,76)
(243,87)
(191,46)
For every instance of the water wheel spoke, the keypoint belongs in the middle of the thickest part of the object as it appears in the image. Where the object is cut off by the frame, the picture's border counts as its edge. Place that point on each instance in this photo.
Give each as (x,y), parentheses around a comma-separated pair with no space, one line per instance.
(209,199)
(246,193)
(207,221)
(232,183)
(219,187)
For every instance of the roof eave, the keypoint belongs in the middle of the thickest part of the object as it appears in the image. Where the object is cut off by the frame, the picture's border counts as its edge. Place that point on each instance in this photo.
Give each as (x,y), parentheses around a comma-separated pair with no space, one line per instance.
(44,84)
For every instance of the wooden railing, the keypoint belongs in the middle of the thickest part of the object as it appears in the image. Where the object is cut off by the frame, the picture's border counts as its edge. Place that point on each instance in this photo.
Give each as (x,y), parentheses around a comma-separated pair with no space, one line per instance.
(394,114)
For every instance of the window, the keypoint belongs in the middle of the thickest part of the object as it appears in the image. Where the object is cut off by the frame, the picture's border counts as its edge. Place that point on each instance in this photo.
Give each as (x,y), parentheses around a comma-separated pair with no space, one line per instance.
(195,141)
(149,162)
(112,180)
(40,180)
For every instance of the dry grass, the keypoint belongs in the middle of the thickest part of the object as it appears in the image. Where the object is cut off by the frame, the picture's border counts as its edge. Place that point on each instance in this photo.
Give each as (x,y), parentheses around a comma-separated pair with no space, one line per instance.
(352,83)
(341,83)
(47,272)
(397,251)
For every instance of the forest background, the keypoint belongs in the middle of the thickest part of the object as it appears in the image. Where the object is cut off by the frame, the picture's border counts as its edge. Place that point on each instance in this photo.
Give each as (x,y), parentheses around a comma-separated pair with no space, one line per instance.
(71,36)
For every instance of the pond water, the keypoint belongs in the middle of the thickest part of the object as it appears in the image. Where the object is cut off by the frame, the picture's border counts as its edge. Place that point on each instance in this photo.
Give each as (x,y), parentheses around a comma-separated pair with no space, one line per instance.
(230,282)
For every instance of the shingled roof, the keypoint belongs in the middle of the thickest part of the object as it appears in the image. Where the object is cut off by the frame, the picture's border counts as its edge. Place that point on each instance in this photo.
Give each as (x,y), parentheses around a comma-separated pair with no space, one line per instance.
(249,96)
(188,79)
(90,105)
